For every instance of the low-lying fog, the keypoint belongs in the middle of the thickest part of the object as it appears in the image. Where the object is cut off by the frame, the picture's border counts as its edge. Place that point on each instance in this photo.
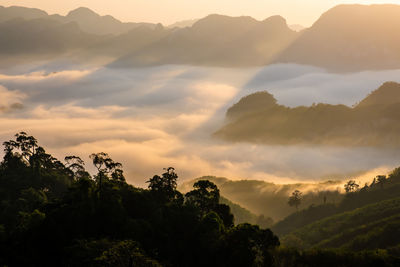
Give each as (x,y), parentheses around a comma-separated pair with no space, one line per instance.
(155,117)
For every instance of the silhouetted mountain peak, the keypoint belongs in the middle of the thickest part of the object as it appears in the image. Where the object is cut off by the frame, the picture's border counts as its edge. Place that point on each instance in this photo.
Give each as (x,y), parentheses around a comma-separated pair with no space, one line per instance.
(221,21)
(20,9)
(248,104)
(355,14)
(13,12)
(387,94)
(82,12)
(276,20)
(350,37)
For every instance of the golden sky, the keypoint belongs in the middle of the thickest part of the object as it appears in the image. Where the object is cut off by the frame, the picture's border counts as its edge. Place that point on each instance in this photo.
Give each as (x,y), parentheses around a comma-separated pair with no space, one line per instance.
(303,12)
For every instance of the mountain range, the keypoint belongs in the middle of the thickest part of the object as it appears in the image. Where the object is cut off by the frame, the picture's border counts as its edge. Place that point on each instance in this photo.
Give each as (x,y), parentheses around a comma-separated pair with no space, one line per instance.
(345,38)
(373,122)
(87,20)
(350,37)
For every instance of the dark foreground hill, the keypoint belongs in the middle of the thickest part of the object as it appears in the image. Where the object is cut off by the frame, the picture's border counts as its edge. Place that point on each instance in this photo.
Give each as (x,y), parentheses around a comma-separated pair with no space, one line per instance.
(57,214)
(373,122)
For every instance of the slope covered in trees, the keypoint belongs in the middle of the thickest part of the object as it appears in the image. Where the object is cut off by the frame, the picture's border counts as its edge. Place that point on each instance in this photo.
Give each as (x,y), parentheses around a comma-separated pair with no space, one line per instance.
(373,122)
(269,199)
(366,218)
(57,214)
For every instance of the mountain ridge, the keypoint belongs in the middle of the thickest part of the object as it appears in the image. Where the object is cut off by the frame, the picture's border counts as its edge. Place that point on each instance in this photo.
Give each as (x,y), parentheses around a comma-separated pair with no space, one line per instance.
(345,38)
(371,123)
(350,38)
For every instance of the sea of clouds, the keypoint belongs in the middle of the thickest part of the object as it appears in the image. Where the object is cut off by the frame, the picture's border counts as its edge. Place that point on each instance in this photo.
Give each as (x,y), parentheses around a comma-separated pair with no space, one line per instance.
(150,118)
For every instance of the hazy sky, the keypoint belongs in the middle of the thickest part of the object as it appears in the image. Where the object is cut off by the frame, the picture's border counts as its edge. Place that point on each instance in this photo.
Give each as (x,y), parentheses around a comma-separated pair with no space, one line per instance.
(303,12)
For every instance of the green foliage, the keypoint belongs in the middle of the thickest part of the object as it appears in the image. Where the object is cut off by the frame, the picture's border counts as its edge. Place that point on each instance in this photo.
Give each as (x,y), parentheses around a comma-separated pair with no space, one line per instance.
(361,230)
(205,198)
(269,199)
(374,193)
(343,229)
(125,254)
(164,186)
(289,257)
(55,214)
(248,245)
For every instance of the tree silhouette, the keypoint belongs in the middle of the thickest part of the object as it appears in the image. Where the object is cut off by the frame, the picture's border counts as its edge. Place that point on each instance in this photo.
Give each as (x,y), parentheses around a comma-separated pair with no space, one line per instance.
(106,166)
(164,186)
(351,186)
(381,180)
(205,196)
(295,199)
(76,167)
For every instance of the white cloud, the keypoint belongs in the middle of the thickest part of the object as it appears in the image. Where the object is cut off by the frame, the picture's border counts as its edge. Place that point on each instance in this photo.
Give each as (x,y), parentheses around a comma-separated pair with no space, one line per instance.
(10,100)
(151,118)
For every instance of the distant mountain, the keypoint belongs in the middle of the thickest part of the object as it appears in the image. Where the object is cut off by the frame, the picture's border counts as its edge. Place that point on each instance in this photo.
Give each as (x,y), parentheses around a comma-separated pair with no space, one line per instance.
(127,43)
(218,40)
(41,36)
(350,37)
(345,38)
(387,94)
(251,103)
(183,23)
(88,20)
(373,122)
(31,34)
(13,12)
(213,41)
(91,22)
(243,215)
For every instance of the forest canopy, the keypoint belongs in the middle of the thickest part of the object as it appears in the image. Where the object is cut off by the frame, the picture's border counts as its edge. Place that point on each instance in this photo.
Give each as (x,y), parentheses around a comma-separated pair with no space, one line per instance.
(55,213)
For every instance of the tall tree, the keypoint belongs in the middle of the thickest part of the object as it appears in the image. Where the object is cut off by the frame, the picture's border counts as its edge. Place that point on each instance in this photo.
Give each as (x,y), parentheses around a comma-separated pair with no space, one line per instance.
(295,199)
(106,166)
(351,186)
(164,186)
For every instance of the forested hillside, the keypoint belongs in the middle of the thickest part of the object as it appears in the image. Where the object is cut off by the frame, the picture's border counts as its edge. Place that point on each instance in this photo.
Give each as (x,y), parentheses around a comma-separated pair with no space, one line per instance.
(268,199)
(57,214)
(373,122)
(366,218)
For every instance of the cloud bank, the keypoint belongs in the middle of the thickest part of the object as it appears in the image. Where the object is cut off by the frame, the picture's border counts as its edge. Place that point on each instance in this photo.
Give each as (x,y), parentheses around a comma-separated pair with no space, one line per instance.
(150,118)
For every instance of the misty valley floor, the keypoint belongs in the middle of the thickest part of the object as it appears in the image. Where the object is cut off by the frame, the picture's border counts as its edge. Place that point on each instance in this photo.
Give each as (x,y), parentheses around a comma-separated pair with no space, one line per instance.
(164,116)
